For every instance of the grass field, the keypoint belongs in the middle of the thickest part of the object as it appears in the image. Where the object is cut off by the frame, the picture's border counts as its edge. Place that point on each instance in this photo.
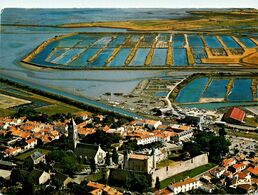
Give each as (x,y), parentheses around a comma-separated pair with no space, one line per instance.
(6,112)
(252,122)
(242,134)
(25,155)
(57,108)
(191,173)
(38,102)
(7,101)
(165,163)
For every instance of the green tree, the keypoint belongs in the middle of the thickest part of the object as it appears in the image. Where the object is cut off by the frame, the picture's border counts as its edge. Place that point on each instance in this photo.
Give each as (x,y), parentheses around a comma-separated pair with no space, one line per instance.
(137,182)
(222,131)
(115,156)
(69,164)
(157,183)
(219,147)
(93,165)
(28,164)
(108,162)
(194,149)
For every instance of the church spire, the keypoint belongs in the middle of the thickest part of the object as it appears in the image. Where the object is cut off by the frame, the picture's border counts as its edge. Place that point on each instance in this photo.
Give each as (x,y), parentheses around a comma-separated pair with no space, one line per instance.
(73,133)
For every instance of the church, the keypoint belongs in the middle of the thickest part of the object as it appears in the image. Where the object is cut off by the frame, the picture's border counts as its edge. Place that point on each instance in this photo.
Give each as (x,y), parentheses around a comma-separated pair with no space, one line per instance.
(88,152)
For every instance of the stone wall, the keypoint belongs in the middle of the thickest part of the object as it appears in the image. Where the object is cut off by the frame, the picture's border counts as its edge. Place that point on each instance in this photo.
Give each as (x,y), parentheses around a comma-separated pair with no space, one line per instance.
(166,172)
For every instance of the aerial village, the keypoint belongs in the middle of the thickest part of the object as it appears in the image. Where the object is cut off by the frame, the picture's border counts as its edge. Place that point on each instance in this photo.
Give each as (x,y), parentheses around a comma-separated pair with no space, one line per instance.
(129,101)
(101,154)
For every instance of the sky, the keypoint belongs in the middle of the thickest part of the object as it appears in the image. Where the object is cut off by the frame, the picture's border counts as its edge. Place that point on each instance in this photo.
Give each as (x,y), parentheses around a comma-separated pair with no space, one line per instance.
(129,4)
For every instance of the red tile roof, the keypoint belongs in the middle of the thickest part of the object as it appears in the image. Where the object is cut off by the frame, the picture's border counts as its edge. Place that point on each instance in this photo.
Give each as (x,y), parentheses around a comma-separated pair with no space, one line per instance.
(253,170)
(236,166)
(235,113)
(181,183)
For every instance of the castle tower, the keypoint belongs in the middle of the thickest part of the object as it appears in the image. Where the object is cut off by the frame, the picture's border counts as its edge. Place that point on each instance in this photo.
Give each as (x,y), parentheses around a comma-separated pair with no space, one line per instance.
(73,133)
(153,152)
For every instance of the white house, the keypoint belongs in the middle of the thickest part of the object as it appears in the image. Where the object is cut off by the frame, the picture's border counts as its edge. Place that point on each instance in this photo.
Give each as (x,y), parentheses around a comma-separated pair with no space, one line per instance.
(184,186)
(13,151)
(31,143)
(38,157)
(183,132)
(239,167)
(145,139)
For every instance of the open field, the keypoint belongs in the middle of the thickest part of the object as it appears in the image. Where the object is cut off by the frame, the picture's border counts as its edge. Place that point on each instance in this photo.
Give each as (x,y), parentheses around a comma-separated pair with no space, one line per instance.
(38,102)
(219,21)
(9,101)
(242,134)
(6,112)
(53,109)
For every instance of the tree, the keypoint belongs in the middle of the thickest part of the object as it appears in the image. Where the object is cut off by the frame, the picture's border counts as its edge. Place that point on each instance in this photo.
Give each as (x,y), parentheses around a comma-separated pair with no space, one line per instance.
(193,148)
(222,131)
(219,146)
(137,182)
(108,162)
(157,183)
(93,165)
(115,156)
(78,120)
(28,164)
(69,164)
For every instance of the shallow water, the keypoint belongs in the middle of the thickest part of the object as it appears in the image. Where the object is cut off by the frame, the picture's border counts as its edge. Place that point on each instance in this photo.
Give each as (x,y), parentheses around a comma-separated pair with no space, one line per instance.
(241,90)
(179,57)
(120,58)
(161,94)
(216,89)
(192,91)
(159,57)
(17,41)
(229,42)
(178,41)
(139,57)
(84,57)
(212,42)
(247,42)
(217,105)
(102,57)
(195,41)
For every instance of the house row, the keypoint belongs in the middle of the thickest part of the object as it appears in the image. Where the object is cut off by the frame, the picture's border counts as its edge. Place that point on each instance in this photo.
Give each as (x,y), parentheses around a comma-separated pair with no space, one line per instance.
(184,186)
(240,173)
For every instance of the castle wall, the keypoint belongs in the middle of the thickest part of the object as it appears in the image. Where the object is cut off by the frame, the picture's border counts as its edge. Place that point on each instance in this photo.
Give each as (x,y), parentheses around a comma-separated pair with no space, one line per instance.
(169,171)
